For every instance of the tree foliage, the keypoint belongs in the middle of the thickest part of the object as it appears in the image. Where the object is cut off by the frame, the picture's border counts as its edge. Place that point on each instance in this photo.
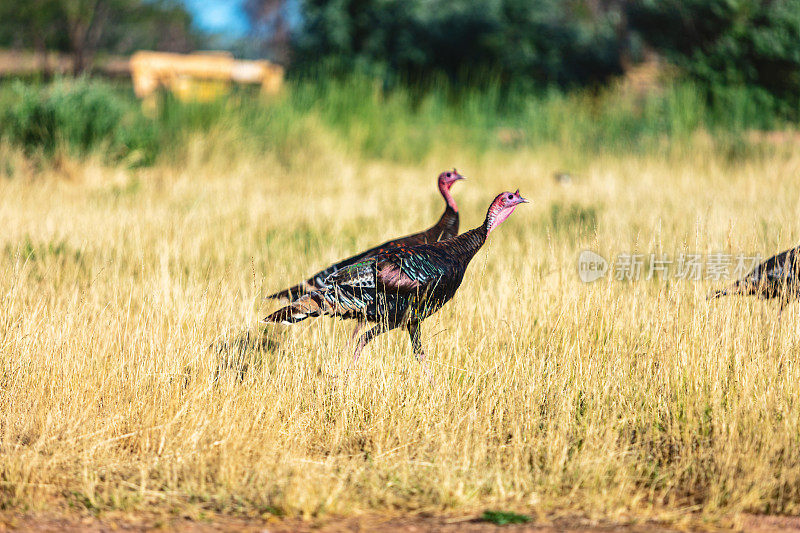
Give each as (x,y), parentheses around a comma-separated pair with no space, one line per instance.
(83,27)
(269,29)
(521,41)
(729,43)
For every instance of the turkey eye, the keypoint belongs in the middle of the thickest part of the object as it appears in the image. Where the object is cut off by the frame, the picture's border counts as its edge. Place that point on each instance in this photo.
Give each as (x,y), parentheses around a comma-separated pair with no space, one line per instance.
(509,197)
(448,174)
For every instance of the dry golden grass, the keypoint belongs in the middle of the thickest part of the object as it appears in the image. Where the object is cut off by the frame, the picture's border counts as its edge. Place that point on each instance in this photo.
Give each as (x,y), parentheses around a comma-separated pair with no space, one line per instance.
(129,382)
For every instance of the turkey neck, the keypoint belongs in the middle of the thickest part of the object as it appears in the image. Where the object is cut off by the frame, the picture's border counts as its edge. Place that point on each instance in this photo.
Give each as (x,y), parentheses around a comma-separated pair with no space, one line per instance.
(465,246)
(447,224)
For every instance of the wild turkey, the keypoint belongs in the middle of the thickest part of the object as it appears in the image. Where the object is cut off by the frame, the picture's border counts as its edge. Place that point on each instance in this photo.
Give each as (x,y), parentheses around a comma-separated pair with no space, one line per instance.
(445,228)
(400,287)
(777,277)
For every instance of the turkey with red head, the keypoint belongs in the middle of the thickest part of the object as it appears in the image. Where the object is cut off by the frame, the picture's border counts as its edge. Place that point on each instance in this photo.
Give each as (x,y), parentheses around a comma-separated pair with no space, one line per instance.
(402,286)
(445,228)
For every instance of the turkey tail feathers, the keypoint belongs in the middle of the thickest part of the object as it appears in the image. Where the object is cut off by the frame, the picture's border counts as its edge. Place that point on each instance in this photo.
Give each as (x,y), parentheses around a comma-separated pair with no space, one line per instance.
(718,294)
(306,306)
(738,287)
(292,293)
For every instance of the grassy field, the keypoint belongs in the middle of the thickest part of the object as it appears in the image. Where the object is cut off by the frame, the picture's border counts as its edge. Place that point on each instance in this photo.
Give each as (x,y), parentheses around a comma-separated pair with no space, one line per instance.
(135,374)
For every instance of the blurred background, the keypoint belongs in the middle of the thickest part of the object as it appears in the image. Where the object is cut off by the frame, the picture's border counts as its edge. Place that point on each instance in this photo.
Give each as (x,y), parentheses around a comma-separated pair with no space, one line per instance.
(395,77)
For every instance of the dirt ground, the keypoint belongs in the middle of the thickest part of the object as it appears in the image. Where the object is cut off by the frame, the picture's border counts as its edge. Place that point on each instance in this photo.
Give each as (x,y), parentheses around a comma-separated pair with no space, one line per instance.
(378,523)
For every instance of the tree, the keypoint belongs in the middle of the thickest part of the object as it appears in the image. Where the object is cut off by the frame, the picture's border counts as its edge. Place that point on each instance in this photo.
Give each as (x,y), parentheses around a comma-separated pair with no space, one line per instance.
(535,42)
(84,27)
(162,25)
(85,20)
(269,32)
(728,43)
(35,24)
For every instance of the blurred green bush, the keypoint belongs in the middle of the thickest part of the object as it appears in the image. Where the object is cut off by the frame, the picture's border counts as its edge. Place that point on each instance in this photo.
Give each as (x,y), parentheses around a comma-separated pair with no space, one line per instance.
(731,48)
(79,117)
(86,117)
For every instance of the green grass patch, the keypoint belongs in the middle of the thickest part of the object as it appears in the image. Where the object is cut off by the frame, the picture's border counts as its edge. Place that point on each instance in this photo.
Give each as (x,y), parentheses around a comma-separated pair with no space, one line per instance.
(87,116)
(504,518)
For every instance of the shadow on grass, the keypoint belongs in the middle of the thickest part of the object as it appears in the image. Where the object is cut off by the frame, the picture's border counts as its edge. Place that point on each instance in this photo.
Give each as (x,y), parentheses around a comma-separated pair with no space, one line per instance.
(240,352)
